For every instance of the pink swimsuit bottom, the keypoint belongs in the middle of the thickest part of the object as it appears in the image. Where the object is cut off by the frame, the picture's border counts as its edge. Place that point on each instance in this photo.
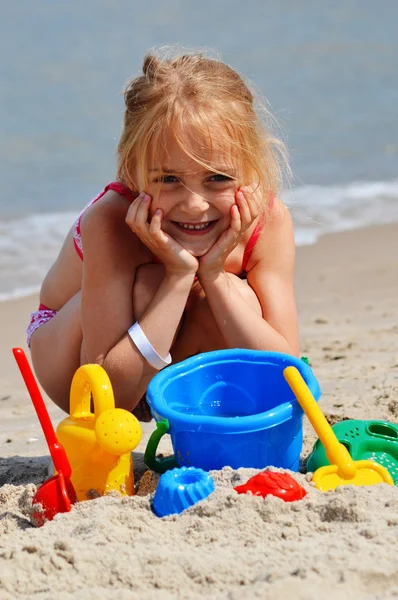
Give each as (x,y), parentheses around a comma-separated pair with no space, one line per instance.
(37,319)
(45,314)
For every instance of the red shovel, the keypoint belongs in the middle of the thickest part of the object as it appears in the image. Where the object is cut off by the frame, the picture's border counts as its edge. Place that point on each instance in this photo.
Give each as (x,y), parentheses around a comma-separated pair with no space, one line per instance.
(57,494)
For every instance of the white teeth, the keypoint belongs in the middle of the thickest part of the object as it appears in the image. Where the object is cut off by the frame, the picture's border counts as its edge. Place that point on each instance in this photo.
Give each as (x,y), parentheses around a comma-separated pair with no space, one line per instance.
(199,226)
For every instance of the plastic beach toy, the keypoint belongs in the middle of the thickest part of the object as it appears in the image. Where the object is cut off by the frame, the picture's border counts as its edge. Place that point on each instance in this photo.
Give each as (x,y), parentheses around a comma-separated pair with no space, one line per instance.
(273,483)
(57,494)
(342,470)
(179,489)
(364,440)
(98,444)
(228,407)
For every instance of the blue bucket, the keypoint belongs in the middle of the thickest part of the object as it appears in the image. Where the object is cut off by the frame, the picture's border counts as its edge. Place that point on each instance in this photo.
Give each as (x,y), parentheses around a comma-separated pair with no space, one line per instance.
(228,408)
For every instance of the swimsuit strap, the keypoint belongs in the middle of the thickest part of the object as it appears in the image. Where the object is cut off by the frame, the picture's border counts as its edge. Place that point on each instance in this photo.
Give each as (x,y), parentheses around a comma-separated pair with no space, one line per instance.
(252,242)
(122,189)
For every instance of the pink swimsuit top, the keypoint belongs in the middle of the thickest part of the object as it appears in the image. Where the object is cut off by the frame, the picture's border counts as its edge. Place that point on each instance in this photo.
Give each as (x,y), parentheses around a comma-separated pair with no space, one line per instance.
(125,191)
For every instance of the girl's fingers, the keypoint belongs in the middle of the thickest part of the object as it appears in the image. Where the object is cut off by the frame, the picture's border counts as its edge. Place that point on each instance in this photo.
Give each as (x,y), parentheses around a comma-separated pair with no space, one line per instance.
(163,244)
(236,219)
(255,204)
(141,216)
(155,226)
(254,200)
(133,209)
(244,209)
(155,229)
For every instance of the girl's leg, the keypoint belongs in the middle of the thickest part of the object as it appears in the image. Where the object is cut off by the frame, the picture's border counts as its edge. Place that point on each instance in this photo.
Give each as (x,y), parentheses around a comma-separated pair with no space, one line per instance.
(57,347)
(56,352)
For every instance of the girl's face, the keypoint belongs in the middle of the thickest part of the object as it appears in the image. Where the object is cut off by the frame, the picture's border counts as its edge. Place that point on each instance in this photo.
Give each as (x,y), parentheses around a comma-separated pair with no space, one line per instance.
(195,202)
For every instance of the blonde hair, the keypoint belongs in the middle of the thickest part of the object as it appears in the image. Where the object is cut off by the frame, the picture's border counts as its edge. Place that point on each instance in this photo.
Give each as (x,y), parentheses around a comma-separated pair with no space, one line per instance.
(207,99)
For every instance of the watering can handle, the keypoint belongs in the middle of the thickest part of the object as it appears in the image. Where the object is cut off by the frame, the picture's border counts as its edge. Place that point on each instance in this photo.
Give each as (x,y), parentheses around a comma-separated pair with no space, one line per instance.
(157,464)
(90,380)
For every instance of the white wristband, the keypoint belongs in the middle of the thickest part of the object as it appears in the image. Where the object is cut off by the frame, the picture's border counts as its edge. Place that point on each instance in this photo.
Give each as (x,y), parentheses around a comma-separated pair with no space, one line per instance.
(147,350)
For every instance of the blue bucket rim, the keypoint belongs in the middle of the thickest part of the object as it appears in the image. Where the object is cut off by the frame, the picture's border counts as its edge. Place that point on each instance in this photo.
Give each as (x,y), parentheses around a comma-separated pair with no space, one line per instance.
(211,424)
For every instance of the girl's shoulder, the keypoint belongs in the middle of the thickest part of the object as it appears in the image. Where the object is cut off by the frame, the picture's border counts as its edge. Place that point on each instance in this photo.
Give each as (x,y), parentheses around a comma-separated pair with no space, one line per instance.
(108,204)
(112,198)
(103,229)
(275,241)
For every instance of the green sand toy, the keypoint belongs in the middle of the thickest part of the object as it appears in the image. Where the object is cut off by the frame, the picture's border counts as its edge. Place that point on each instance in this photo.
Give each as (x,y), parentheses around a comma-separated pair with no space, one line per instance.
(364,440)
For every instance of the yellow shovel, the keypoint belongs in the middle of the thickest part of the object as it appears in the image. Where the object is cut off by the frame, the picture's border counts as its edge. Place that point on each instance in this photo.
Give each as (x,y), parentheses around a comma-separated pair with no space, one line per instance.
(342,469)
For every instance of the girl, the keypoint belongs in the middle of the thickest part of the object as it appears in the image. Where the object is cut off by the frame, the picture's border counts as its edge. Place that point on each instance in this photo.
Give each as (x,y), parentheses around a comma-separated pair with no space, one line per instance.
(188,251)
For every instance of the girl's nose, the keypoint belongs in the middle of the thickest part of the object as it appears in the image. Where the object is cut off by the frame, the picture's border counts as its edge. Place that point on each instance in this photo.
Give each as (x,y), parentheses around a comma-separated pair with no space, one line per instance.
(194,202)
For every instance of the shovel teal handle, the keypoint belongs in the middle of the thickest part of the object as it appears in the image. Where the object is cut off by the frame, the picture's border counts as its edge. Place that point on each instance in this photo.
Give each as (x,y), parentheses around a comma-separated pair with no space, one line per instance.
(157,463)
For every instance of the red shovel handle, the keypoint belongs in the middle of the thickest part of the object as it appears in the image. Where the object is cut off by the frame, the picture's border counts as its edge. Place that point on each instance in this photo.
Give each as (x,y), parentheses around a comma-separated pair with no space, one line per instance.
(36,396)
(60,459)
(58,454)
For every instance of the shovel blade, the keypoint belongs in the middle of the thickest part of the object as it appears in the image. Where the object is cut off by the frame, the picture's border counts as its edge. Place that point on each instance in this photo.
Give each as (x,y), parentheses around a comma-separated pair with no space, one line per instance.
(54,496)
(367,473)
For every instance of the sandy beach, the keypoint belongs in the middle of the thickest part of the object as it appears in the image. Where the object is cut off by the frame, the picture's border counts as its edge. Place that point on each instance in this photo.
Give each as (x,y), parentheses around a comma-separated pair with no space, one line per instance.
(341,544)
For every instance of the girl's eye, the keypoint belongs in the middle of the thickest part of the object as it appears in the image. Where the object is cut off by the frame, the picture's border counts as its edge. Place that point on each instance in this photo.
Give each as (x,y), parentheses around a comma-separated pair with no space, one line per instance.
(220,177)
(166,179)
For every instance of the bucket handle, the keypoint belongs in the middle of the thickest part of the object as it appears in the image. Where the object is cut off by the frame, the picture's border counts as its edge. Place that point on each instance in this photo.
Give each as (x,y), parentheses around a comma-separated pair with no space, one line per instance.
(157,463)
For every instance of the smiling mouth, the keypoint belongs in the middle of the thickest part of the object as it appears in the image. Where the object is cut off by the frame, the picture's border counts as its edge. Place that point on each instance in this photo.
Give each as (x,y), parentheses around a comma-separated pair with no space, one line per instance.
(194,228)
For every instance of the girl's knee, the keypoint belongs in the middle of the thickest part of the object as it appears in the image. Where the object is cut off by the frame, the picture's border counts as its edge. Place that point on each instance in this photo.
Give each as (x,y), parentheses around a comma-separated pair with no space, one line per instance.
(247,292)
(198,308)
(199,323)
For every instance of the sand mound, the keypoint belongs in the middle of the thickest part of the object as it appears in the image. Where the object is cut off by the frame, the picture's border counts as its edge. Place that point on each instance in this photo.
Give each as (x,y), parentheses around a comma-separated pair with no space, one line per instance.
(116,547)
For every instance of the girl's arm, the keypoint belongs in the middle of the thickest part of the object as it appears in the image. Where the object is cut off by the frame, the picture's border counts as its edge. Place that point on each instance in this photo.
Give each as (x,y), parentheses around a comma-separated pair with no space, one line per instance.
(271,278)
(112,253)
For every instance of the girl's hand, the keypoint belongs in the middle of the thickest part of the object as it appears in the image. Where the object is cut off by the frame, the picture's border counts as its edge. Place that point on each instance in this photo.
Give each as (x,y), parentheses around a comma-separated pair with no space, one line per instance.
(174,257)
(243,214)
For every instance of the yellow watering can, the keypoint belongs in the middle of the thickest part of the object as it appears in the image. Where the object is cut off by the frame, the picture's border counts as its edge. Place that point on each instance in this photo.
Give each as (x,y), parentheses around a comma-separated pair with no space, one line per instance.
(98,445)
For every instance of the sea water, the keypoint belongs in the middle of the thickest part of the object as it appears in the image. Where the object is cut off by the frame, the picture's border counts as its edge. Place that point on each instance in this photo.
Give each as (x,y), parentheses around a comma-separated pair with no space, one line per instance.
(327,70)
